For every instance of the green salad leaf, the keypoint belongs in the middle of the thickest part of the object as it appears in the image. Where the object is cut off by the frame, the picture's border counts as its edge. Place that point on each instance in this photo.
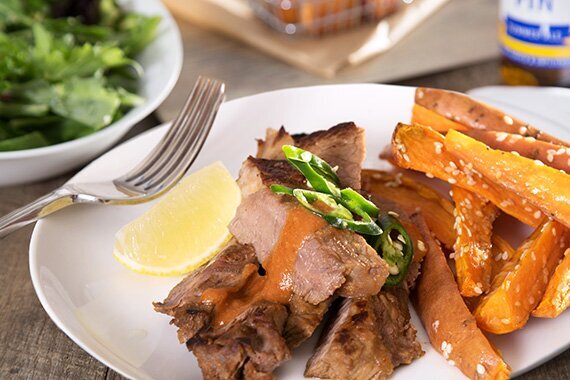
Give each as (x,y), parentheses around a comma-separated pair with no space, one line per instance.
(67,69)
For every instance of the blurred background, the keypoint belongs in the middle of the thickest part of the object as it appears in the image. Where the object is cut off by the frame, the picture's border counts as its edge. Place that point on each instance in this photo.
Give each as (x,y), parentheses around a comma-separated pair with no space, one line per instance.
(232,41)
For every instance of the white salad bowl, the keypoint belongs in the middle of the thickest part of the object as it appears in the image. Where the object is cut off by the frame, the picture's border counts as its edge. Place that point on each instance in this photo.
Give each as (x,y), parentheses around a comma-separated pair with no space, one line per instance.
(161,60)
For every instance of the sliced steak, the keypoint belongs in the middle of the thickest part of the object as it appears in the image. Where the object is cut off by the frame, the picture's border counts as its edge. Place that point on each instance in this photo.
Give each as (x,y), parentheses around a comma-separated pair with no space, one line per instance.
(351,348)
(253,341)
(230,269)
(398,334)
(270,148)
(328,260)
(366,339)
(258,173)
(342,145)
(304,318)
(333,260)
(241,318)
(255,338)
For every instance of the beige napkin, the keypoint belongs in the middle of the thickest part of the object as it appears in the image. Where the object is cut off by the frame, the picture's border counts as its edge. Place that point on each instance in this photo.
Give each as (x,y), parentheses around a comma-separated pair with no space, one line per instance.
(321,56)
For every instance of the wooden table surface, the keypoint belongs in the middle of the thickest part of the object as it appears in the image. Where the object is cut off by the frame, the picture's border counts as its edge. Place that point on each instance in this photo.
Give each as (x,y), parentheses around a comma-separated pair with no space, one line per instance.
(32,347)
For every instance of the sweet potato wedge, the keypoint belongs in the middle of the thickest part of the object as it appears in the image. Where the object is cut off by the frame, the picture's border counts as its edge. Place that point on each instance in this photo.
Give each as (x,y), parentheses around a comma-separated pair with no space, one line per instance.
(429,118)
(502,252)
(474,217)
(451,328)
(553,155)
(473,114)
(557,296)
(519,287)
(542,186)
(411,195)
(421,148)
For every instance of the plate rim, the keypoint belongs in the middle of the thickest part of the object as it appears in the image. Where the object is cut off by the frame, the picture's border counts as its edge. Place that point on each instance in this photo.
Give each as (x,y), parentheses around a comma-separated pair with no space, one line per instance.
(34,241)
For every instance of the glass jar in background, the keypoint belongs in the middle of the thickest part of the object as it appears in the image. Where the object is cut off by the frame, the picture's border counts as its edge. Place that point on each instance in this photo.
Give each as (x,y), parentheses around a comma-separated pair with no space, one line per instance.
(535,42)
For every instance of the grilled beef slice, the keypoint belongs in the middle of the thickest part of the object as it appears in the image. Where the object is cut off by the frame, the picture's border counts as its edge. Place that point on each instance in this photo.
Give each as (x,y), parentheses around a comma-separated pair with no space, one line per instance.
(329,260)
(342,145)
(254,340)
(260,337)
(230,269)
(367,339)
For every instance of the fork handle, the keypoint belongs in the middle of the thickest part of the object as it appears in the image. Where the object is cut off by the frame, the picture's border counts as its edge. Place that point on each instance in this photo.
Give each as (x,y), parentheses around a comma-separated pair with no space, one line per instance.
(54,201)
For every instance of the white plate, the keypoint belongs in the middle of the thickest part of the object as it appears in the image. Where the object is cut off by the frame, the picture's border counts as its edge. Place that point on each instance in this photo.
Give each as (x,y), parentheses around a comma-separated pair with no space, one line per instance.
(161,60)
(106,309)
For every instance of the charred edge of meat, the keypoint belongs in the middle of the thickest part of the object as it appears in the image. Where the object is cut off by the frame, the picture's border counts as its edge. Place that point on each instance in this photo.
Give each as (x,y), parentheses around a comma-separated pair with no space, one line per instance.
(303,139)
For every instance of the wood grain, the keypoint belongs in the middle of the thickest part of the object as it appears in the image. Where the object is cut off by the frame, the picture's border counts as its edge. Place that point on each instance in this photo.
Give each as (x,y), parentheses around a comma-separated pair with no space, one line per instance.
(462,32)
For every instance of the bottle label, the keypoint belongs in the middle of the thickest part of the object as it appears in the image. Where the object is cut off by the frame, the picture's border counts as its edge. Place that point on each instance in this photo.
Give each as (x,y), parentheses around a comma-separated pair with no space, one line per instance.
(536,33)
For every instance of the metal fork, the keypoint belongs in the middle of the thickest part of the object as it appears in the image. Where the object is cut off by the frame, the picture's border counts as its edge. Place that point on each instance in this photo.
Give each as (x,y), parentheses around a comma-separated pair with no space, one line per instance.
(155,174)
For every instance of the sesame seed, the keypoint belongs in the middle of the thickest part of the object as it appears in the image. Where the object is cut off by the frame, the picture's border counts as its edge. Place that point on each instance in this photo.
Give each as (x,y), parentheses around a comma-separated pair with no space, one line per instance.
(421,246)
(480,367)
(527,208)
(420,94)
(477,290)
(394,214)
(523,130)
(452,181)
(448,115)
(405,156)
(539,163)
(393,270)
(550,157)
(443,345)
(435,325)
(429,175)
(537,215)
(508,120)
(505,321)
(530,139)
(532,255)
(438,147)
(531,300)
(560,151)
(501,136)
(554,232)
(485,186)
(515,153)
(505,255)
(451,363)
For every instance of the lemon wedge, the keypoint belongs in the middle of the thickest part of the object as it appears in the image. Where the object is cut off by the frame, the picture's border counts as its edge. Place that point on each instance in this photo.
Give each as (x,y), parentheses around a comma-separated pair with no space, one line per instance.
(183,229)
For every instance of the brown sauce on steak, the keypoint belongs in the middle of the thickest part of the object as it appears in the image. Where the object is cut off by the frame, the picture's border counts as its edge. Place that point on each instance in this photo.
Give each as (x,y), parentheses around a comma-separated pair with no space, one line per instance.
(277,283)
